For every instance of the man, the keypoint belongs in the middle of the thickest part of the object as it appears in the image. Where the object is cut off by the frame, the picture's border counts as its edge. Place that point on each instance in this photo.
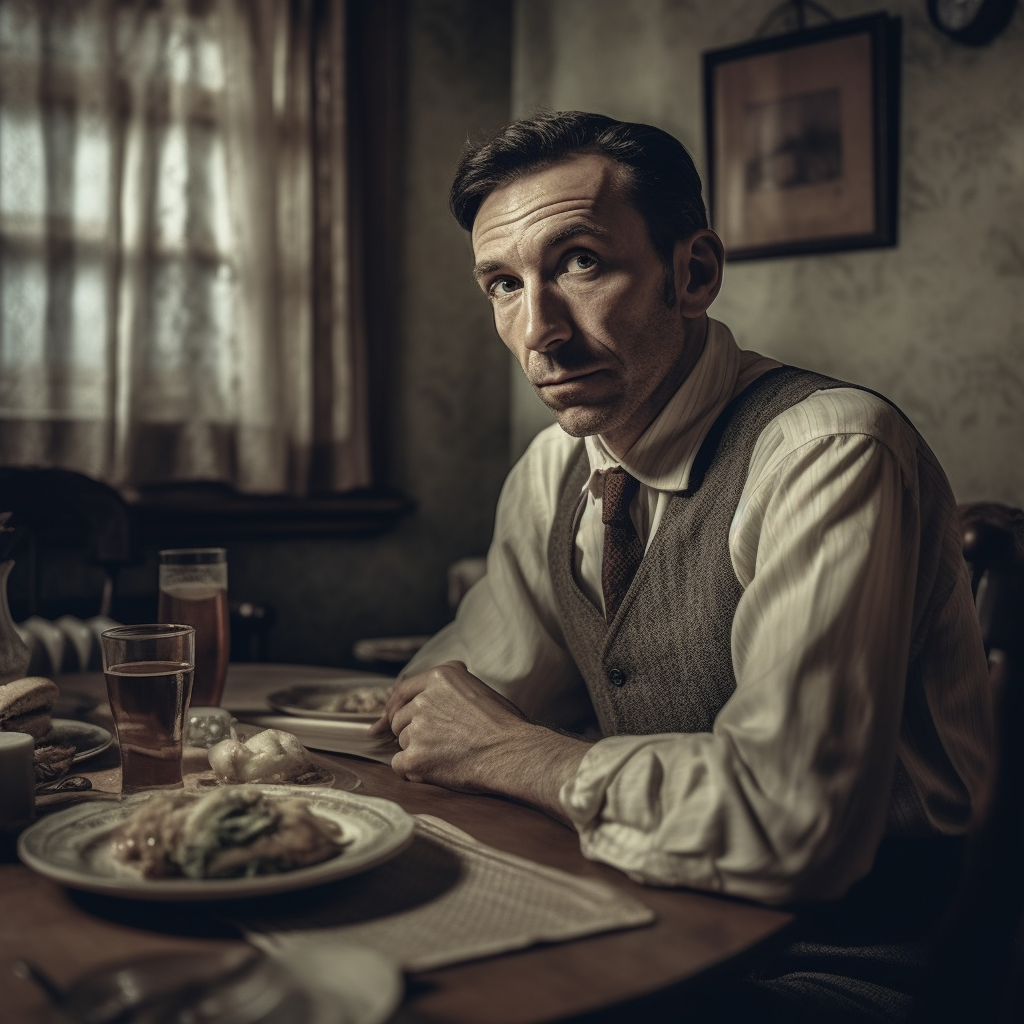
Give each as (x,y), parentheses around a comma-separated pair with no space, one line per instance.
(751,575)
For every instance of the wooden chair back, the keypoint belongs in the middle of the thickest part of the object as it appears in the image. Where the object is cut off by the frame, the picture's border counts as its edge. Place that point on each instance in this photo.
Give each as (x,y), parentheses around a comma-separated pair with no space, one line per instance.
(53,506)
(976,967)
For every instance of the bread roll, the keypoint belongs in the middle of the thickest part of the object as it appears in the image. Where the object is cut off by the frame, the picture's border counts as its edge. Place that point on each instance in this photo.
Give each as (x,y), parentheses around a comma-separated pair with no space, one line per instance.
(26,705)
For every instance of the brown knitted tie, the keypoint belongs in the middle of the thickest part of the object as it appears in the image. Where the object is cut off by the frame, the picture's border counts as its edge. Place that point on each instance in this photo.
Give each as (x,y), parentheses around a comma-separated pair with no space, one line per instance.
(623,548)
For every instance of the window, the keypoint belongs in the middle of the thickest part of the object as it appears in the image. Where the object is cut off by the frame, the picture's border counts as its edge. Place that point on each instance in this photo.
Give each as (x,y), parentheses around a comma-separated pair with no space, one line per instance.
(176,285)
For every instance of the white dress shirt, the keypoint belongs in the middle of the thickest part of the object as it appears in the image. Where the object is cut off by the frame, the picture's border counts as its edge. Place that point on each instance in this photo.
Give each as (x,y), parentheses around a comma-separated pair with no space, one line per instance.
(787,797)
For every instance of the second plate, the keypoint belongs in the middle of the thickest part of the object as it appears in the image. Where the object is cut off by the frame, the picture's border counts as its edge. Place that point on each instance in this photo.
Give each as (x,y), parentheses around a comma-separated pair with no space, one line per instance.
(87,739)
(359,699)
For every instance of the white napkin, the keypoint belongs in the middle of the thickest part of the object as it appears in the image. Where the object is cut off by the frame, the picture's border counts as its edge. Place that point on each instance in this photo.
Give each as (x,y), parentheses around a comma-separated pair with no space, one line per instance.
(327,734)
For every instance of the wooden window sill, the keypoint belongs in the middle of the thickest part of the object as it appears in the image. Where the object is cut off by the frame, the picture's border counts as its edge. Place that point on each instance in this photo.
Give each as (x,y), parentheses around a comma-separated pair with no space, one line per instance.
(211,513)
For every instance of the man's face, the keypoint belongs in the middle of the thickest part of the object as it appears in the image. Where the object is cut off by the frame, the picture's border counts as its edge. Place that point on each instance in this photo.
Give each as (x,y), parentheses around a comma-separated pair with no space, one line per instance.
(578,296)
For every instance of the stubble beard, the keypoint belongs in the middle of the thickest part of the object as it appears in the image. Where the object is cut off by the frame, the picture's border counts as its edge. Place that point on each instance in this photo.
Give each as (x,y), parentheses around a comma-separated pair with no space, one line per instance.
(583,421)
(576,418)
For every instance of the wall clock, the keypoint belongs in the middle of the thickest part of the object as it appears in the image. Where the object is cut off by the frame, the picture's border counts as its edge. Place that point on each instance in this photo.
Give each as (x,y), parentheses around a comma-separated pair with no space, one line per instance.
(972,22)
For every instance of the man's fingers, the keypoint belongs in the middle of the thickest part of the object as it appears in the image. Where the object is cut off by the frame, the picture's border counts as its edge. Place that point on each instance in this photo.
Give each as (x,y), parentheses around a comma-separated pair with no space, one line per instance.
(403,692)
(380,727)
(402,717)
(398,766)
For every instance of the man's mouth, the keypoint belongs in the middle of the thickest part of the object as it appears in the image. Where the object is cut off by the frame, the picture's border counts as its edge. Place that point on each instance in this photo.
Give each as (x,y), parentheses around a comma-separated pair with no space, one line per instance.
(565,378)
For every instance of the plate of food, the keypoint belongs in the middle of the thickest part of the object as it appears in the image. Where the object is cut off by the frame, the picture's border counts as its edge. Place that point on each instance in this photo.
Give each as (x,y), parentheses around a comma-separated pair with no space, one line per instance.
(228,843)
(358,699)
(66,743)
(87,739)
(27,705)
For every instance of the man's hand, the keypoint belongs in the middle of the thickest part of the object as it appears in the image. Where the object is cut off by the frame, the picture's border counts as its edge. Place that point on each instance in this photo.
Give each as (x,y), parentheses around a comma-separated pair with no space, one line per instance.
(455,731)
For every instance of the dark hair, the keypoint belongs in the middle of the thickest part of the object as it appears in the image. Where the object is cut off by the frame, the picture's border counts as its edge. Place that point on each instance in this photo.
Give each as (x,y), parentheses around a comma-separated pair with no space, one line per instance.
(664,185)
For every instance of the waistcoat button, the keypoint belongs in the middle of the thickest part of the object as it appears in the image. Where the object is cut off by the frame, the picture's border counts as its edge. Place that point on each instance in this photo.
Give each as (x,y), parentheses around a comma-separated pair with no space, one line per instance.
(616,677)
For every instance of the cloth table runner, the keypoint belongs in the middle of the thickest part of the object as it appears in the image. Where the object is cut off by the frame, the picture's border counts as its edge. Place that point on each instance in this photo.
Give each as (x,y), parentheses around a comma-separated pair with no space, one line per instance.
(446,899)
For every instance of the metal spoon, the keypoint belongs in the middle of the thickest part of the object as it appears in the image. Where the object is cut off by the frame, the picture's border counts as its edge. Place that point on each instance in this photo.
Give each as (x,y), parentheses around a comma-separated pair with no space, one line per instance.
(67,783)
(29,972)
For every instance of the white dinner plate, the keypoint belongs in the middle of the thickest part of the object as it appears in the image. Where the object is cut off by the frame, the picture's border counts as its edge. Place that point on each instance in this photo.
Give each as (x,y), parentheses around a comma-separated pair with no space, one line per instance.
(320,700)
(87,739)
(318,775)
(73,847)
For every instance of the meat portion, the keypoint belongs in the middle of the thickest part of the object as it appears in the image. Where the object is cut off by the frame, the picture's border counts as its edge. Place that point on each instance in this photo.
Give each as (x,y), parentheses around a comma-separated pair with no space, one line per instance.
(52,760)
(229,833)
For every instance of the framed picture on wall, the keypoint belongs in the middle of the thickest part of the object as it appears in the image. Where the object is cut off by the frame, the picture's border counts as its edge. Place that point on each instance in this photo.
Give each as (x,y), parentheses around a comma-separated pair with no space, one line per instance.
(802,139)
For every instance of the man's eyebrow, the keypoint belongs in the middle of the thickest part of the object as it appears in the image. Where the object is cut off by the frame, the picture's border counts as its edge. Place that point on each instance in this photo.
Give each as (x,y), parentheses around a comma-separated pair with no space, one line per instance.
(486,267)
(574,231)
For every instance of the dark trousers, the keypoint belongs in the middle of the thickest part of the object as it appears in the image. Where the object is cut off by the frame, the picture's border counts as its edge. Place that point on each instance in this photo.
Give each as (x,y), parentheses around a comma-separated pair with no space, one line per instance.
(858,960)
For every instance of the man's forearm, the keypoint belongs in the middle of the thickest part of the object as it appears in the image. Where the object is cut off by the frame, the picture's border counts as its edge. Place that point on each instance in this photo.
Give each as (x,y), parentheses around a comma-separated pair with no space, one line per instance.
(534,766)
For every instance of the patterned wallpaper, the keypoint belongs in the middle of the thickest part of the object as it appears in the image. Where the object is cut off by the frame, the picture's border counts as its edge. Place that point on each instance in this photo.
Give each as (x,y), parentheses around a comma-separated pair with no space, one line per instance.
(936,323)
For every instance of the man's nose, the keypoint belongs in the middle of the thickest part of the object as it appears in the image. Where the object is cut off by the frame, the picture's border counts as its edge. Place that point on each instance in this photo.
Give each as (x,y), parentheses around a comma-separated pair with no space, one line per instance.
(548,321)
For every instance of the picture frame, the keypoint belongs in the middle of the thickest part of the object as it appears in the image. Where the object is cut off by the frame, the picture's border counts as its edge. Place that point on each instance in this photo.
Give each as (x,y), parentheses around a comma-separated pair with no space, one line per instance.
(802,136)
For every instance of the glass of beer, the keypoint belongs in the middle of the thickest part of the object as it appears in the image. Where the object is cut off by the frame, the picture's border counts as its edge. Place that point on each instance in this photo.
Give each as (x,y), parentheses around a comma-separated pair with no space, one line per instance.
(194,589)
(149,682)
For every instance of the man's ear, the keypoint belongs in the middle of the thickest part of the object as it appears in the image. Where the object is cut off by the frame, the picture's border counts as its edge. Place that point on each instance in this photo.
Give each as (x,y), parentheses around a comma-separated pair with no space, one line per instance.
(698,262)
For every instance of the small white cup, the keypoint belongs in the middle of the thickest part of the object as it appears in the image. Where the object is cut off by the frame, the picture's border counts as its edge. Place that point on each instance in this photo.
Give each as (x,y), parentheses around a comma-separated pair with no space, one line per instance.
(17,781)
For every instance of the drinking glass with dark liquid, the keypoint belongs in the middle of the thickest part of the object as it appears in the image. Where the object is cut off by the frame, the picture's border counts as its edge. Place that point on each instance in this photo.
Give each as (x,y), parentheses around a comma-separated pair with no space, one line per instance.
(149,682)
(194,590)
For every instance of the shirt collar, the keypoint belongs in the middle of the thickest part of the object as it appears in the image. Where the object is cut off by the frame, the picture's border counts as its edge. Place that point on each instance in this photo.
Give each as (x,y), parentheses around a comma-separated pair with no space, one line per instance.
(663,455)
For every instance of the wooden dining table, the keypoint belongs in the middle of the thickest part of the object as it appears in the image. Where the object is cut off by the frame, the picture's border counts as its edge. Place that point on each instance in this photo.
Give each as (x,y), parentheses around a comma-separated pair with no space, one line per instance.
(648,973)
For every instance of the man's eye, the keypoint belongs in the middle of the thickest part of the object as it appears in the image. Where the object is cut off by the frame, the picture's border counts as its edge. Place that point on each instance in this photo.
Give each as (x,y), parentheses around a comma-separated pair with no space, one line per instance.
(582,261)
(503,286)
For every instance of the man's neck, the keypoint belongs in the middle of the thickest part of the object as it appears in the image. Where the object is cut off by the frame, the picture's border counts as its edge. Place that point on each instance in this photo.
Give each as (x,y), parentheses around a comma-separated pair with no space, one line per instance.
(620,444)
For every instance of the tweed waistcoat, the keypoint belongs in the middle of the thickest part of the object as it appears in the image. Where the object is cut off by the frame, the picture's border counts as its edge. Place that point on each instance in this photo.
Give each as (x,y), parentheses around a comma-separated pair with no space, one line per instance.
(664,662)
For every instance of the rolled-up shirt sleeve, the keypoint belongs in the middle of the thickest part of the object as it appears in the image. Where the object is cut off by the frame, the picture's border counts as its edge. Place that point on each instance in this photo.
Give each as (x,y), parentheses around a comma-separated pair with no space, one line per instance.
(786,798)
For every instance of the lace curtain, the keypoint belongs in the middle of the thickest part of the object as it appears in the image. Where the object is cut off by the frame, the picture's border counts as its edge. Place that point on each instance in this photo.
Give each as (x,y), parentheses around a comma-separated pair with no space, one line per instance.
(174,273)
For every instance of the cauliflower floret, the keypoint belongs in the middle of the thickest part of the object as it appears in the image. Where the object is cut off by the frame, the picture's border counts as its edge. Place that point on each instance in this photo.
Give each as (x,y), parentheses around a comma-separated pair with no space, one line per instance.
(270,756)
(228,759)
